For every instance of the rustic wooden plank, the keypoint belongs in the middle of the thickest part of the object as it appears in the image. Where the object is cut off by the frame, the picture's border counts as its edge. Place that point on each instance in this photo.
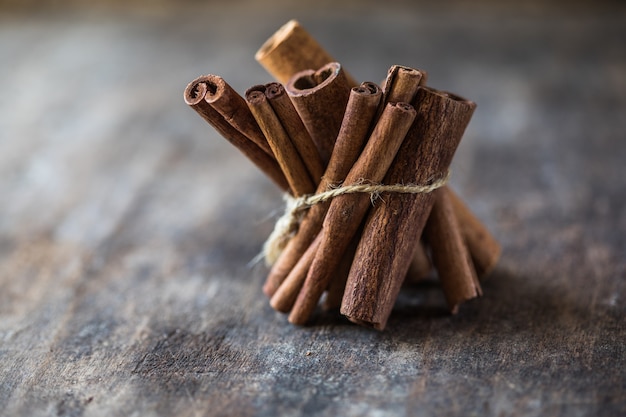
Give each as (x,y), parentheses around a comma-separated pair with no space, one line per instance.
(127,225)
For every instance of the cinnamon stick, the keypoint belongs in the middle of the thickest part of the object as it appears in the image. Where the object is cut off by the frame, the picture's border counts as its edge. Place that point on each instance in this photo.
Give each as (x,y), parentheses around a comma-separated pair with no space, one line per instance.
(223,98)
(280,143)
(389,236)
(291,122)
(483,247)
(421,265)
(450,255)
(292,49)
(285,296)
(346,211)
(400,85)
(355,128)
(337,285)
(402,82)
(195,94)
(320,97)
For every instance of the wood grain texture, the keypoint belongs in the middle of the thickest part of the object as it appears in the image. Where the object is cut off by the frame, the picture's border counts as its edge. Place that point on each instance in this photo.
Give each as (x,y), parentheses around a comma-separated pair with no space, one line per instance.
(124,285)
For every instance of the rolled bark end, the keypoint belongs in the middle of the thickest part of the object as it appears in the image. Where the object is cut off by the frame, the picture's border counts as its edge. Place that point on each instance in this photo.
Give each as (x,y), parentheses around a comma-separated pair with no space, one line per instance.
(196,91)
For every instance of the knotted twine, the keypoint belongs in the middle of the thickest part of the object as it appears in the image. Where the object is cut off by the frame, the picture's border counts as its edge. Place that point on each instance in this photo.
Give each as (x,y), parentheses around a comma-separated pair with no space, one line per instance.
(287,225)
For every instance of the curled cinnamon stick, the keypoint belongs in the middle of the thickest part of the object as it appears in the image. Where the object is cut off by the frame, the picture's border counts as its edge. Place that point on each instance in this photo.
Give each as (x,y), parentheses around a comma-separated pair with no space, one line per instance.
(223,98)
(282,146)
(320,97)
(389,236)
(292,49)
(194,96)
(450,255)
(346,211)
(355,128)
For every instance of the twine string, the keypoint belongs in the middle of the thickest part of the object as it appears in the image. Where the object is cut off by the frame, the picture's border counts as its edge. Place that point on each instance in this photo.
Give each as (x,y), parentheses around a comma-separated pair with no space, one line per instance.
(287,225)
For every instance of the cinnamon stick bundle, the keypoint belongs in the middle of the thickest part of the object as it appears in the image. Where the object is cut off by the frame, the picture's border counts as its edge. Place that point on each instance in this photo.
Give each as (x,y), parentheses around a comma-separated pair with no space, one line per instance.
(346,211)
(353,133)
(389,237)
(292,49)
(320,97)
(293,132)
(195,96)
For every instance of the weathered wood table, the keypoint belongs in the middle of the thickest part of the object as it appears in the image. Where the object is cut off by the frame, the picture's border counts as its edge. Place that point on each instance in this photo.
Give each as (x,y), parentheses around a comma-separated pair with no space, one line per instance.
(127,224)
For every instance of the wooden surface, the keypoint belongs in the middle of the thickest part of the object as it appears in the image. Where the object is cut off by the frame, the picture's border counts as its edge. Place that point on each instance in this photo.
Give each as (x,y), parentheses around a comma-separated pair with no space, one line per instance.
(127,224)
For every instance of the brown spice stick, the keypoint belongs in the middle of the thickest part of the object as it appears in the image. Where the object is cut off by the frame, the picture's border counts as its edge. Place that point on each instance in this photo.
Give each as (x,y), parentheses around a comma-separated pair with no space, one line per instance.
(355,128)
(285,296)
(223,98)
(320,97)
(292,49)
(284,150)
(389,237)
(334,293)
(450,255)
(483,247)
(401,83)
(346,211)
(291,122)
(195,97)
(421,265)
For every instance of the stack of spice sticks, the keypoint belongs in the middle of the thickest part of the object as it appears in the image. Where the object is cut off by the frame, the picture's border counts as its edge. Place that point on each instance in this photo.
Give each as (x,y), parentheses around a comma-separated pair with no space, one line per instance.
(388,149)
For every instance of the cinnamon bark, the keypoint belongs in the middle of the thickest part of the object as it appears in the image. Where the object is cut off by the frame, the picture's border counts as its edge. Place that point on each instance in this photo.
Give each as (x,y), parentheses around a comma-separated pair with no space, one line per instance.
(291,122)
(450,255)
(355,128)
(483,247)
(285,296)
(195,94)
(334,293)
(401,83)
(223,98)
(279,141)
(391,230)
(421,265)
(320,97)
(292,49)
(347,211)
